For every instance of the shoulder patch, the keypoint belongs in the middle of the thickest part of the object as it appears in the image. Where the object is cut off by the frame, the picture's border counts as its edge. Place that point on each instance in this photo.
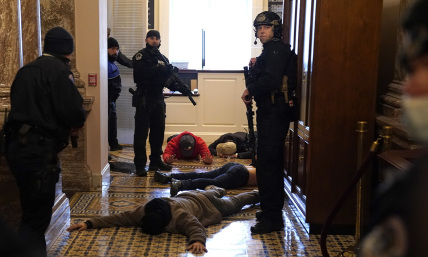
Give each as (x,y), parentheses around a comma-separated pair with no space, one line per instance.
(138,56)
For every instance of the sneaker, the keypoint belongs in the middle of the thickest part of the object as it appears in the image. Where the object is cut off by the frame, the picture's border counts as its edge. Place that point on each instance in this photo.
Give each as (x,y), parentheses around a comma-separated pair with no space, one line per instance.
(116,147)
(160,166)
(222,191)
(162,177)
(141,173)
(266,226)
(176,186)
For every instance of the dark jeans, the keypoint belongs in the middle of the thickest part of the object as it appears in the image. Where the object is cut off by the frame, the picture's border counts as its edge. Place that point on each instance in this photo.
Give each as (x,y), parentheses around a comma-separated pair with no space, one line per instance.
(149,116)
(35,165)
(230,175)
(272,129)
(229,205)
(112,124)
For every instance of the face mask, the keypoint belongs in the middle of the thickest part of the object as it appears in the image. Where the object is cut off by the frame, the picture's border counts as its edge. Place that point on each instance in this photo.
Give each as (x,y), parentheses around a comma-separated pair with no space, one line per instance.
(415,117)
(112,58)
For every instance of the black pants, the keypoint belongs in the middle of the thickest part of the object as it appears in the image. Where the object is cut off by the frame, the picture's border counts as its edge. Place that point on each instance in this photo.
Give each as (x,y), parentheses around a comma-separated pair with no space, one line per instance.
(149,117)
(35,166)
(272,128)
(229,176)
(112,124)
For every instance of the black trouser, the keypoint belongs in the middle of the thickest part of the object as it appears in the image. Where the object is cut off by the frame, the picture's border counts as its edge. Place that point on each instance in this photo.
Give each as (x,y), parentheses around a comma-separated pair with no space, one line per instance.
(34,163)
(112,124)
(272,128)
(229,176)
(149,116)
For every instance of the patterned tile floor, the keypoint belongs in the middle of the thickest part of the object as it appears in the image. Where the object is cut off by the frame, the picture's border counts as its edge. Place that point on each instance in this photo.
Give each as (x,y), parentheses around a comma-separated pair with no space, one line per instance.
(232,237)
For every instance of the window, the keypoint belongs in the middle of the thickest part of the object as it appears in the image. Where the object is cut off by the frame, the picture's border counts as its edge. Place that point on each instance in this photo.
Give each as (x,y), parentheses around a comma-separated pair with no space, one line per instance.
(219,30)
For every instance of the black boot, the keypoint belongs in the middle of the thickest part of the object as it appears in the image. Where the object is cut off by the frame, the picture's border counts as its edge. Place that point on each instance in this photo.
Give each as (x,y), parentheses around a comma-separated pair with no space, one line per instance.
(266,226)
(159,165)
(162,177)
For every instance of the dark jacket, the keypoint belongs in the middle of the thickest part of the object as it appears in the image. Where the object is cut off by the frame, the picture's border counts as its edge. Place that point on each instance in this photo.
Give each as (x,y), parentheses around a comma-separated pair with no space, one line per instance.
(43,95)
(149,71)
(272,64)
(241,141)
(114,82)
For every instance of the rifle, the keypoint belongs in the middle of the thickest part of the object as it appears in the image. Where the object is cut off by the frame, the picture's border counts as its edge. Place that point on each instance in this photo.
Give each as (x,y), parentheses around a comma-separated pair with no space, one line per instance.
(250,114)
(173,82)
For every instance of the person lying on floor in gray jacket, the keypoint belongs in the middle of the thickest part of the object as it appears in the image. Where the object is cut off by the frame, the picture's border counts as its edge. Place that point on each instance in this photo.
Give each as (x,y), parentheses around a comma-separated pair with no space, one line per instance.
(187,213)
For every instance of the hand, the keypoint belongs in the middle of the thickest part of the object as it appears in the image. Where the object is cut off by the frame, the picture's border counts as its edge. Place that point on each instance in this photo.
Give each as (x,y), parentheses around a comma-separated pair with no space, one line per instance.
(171,159)
(74,132)
(197,248)
(208,159)
(252,62)
(79,226)
(246,97)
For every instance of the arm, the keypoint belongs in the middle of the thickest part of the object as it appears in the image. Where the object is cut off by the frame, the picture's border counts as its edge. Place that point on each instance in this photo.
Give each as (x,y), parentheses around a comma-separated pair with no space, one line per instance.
(66,100)
(122,59)
(204,152)
(190,226)
(170,150)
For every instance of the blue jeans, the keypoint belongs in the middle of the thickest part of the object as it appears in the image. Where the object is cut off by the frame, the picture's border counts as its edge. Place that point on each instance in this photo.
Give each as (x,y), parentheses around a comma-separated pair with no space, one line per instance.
(230,175)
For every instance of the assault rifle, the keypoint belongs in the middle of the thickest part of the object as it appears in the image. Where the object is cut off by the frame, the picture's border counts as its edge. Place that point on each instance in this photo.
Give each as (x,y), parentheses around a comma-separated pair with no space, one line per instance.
(250,114)
(173,82)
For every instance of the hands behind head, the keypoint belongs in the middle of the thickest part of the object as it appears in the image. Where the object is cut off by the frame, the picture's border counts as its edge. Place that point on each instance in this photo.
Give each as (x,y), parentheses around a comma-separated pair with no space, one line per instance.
(208,159)
(79,227)
(197,248)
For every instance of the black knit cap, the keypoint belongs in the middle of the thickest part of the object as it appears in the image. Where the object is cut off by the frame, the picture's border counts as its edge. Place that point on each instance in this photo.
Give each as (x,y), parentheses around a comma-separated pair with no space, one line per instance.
(111,42)
(58,41)
(157,216)
(152,33)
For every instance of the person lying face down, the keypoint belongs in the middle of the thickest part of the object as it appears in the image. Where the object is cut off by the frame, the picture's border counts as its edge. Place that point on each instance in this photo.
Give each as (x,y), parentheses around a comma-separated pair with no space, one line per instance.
(229,176)
(187,146)
(188,213)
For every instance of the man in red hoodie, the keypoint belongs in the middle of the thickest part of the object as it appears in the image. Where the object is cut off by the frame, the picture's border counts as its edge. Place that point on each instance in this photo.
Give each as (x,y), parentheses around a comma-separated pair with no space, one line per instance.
(187,146)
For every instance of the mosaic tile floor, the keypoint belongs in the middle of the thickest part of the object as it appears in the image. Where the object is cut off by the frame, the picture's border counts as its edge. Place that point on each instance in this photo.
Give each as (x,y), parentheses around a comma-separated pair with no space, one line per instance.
(232,237)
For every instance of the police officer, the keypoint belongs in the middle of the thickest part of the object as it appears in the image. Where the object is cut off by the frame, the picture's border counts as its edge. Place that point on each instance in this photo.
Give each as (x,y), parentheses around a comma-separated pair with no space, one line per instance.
(46,108)
(150,74)
(114,89)
(266,86)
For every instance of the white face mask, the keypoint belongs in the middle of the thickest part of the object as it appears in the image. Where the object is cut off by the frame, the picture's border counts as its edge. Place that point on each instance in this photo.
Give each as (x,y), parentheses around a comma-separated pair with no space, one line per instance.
(415,117)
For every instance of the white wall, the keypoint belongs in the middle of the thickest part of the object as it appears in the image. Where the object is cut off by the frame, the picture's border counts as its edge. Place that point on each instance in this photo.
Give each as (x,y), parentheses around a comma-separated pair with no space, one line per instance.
(91,57)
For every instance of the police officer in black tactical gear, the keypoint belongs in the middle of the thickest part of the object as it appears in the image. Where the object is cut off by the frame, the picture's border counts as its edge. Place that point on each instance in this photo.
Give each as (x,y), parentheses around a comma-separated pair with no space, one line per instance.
(46,108)
(272,82)
(150,74)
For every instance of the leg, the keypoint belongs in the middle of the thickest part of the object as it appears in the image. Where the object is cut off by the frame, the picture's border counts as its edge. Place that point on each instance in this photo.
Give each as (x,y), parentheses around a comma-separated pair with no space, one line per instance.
(229,205)
(141,132)
(230,175)
(112,124)
(157,130)
(35,167)
(270,175)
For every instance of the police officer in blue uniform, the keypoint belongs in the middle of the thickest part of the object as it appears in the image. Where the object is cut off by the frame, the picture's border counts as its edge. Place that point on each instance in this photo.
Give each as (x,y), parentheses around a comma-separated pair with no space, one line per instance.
(46,108)
(273,95)
(150,74)
(114,89)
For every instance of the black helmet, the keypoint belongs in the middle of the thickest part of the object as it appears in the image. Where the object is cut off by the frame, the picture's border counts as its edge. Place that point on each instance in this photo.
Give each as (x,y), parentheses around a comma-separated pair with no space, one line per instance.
(269,18)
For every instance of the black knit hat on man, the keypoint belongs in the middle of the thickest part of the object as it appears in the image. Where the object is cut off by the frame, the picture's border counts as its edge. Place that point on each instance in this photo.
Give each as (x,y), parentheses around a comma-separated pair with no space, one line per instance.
(112,42)
(58,41)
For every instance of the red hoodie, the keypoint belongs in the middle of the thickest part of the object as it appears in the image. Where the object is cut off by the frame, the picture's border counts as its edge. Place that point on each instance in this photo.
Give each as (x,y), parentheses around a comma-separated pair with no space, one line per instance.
(173,147)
